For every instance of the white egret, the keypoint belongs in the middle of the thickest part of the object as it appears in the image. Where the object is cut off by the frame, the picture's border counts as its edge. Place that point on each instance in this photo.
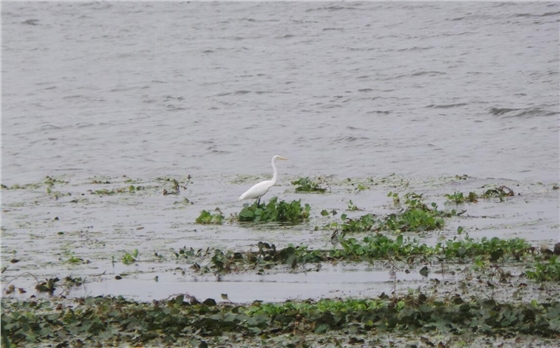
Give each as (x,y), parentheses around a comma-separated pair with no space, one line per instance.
(260,189)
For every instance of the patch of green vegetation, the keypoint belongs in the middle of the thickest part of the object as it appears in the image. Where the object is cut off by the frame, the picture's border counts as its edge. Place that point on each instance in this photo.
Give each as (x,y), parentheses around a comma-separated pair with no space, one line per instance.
(176,185)
(499,192)
(114,191)
(51,181)
(75,260)
(361,187)
(308,185)
(379,247)
(207,217)
(546,271)
(266,257)
(22,186)
(362,224)
(130,258)
(414,216)
(495,248)
(360,184)
(275,211)
(369,248)
(460,198)
(351,206)
(49,285)
(185,321)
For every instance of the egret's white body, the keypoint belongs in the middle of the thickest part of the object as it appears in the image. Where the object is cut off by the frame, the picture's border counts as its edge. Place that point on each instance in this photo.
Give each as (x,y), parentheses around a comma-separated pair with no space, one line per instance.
(260,189)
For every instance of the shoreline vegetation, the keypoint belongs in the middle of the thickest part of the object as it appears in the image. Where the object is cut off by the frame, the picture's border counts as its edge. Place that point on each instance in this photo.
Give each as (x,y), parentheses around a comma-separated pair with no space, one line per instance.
(184,321)
(498,289)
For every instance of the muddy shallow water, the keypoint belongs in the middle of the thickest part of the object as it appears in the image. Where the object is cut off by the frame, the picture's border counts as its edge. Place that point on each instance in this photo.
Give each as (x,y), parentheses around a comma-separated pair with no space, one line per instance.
(44,229)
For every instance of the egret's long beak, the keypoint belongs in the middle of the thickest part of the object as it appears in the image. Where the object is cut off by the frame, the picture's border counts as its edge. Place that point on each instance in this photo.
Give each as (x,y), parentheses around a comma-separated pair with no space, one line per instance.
(282,158)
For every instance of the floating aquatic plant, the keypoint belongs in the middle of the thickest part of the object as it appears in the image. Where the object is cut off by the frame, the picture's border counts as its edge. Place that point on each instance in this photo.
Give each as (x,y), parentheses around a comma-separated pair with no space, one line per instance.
(275,211)
(130,258)
(499,192)
(207,217)
(308,185)
(182,319)
(414,216)
(546,270)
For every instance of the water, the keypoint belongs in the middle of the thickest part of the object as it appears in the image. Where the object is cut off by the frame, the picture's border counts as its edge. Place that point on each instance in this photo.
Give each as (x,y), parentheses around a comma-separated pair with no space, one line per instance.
(148,90)
(359,89)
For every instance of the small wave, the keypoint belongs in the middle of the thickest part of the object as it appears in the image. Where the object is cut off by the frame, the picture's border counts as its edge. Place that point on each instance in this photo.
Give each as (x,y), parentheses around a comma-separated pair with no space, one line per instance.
(75,96)
(529,112)
(546,14)
(332,8)
(382,112)
(416,48)
(501,111)
(49,127)
(349,139)
(30,22)
(446,106)
(422,73)
(219,152)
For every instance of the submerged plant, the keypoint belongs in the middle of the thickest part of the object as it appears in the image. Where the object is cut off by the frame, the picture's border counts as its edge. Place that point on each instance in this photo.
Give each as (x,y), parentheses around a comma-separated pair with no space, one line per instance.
(308,185)
(275,211)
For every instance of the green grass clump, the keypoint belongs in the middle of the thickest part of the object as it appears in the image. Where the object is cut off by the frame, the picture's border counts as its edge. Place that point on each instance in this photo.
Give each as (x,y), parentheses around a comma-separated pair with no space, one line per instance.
(308,185)
(206,217)
(275,211)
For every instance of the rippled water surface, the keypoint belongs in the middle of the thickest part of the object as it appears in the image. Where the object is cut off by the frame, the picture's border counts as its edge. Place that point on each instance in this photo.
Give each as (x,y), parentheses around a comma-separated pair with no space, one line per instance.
(217,88)
(95,91)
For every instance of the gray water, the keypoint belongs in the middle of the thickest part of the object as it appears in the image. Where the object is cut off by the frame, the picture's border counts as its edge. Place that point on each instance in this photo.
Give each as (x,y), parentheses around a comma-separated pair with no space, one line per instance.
(348,89)
(423,90)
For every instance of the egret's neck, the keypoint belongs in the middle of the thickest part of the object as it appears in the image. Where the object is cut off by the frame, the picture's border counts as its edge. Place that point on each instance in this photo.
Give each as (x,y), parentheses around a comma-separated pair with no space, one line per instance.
(274,176)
